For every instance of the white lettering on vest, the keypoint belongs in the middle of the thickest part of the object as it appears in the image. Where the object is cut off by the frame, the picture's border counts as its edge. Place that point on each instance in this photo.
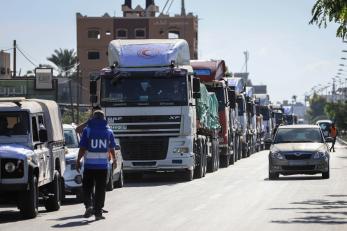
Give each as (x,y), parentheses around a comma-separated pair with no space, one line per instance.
(98,143)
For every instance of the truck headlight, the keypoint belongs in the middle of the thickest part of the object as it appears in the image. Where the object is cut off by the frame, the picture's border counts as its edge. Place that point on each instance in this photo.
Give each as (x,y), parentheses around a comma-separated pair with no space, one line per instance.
(277,155)
(319,155)
(181,150)
(10,167)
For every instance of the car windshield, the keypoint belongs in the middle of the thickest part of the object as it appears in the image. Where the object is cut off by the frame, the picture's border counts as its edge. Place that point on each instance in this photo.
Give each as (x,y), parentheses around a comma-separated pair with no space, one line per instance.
(14,123)
(143,91)
(298,135)
(70,137)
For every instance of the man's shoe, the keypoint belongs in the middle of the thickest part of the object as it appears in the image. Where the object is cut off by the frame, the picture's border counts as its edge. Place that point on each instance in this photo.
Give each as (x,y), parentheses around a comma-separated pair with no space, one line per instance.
(89,212)
(99,217)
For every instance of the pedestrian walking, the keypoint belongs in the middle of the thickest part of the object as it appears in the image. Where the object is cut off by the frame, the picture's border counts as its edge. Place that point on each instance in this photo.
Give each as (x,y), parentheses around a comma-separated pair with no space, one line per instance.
(96,143)
(333,134)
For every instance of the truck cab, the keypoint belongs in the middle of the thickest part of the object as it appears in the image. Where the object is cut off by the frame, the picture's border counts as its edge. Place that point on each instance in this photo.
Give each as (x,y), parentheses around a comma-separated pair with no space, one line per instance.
(32,153)
(150,98)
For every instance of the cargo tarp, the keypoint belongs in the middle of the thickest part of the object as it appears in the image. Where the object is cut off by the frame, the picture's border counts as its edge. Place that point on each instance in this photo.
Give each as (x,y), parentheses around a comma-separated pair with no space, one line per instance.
(207,109)
(148,53)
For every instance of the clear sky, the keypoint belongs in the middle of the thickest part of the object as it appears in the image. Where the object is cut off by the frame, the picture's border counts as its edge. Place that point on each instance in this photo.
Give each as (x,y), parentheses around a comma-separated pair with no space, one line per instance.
(286,53)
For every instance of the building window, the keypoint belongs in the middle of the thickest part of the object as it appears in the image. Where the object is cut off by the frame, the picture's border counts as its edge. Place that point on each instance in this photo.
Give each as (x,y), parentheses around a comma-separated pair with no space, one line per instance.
(94,34)
(173,35)
(122,33)
(140,33)
(93,55)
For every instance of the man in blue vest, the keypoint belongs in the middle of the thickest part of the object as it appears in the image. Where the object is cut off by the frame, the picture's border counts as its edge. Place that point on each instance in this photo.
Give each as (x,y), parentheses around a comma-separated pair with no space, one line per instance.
(96,143)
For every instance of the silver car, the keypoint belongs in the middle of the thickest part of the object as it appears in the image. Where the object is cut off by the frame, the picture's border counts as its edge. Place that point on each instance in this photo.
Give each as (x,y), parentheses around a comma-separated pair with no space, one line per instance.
(299,149)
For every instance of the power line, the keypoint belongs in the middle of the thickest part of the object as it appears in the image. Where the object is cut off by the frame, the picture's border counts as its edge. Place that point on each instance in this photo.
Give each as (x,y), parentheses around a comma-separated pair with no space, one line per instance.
(26,57)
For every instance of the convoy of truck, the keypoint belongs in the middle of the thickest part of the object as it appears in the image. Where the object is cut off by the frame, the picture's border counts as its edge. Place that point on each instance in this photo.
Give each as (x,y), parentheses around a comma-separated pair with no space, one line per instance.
(168,114)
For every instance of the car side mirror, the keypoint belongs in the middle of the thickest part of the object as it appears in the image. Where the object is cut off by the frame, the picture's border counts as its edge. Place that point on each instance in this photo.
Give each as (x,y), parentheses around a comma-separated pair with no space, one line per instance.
(43,136)
(329,139)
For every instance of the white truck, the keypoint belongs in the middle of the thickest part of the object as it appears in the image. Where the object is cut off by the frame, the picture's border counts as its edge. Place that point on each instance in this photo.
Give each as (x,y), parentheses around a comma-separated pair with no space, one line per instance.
(162,116)
(32,154)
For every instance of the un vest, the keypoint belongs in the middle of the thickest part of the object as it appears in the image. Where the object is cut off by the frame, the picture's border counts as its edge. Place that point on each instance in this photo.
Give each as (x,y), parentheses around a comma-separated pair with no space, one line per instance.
(97,155)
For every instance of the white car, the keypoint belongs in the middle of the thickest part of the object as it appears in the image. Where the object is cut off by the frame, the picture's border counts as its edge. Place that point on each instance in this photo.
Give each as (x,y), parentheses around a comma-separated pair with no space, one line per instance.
(73,179)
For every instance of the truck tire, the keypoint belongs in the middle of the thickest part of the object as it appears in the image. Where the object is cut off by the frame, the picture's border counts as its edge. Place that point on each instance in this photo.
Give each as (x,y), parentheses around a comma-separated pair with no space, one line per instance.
(54,201)
(199,168)
(188,175)
(205,157)
(244,150)
(28,201)
(120,182)
(224,161)
(109,185)
(239,149)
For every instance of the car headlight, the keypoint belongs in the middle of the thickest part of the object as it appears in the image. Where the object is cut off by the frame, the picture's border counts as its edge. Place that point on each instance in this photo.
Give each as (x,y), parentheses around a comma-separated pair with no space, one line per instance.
(181,150)
(319,155)
(10,167)
(277,155)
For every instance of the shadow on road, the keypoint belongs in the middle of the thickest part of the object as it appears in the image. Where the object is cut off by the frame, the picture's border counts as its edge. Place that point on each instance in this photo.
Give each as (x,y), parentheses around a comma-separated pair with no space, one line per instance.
(318,212)
(154,179)
(13,215)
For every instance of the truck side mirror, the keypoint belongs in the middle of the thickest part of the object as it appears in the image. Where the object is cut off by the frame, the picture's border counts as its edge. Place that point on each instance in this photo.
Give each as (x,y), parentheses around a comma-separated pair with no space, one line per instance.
(196,85)
(232,98)
(43,136)
(92,87)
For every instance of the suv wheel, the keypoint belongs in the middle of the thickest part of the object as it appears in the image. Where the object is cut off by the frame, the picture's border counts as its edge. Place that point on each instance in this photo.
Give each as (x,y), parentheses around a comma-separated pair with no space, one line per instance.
(273,175)
(28,200)
(54,200)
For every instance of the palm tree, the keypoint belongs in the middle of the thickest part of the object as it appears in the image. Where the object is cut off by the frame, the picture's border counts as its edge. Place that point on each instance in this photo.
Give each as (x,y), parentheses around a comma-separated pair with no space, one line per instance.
(65,60)
(325,11)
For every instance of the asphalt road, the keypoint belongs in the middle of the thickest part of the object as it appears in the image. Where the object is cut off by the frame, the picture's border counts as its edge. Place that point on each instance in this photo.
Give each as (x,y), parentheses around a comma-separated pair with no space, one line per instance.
(236,198)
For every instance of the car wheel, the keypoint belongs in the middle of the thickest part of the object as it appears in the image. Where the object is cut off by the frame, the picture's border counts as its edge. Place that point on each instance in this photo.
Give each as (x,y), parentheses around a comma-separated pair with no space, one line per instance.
(326,175)
(28,200)
(54,201)
(273,175)
(120,182)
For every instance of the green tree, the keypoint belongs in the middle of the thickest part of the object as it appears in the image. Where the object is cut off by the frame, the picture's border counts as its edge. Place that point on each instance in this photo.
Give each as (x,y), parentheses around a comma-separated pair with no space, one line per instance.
(316,110)
(338,111)
(325,11)
(65,60)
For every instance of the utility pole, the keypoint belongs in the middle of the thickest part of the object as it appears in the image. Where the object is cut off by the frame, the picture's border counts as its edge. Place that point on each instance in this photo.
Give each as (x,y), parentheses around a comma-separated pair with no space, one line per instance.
(14,58)
(78,92)
(183,8)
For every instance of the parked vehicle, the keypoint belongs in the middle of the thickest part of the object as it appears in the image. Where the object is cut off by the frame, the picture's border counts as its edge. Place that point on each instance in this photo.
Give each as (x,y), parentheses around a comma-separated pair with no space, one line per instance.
(212,74)
(263,108)
(73,179)
(163,117)
(238,85)
(31,154)
(325,125)
(253,135)
(299,149)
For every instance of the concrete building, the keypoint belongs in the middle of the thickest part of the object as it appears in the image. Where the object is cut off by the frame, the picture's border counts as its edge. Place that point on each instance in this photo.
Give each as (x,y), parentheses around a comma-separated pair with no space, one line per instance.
(5,62)
(95,33)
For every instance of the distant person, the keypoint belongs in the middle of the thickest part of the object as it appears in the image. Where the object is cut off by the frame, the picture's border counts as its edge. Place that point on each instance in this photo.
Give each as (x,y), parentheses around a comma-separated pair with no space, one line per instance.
(333,134)
(96,144)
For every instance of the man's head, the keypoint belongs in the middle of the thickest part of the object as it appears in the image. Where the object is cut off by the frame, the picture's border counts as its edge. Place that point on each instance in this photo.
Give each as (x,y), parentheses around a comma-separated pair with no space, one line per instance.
(98,114)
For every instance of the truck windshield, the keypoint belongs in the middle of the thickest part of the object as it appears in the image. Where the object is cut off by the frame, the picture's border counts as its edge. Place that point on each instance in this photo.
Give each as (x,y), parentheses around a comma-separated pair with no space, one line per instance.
(14,123)
(220,96)
(138,91)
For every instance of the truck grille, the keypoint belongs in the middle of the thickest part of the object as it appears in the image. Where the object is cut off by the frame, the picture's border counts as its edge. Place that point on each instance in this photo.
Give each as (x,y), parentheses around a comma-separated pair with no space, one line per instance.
(129,126)
(144,148)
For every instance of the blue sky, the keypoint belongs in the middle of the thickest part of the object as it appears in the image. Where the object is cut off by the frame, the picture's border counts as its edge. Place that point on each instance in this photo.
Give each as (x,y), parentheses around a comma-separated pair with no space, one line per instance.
(286,53)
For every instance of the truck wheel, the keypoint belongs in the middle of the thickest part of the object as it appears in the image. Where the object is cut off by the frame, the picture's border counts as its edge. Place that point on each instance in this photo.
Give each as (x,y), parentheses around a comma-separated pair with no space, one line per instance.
(224,161)
(244,150)
(239,150)
(205,158)
(199,168)
(109,186)
(188,175)
(54,201)
(28,201)
(120,182)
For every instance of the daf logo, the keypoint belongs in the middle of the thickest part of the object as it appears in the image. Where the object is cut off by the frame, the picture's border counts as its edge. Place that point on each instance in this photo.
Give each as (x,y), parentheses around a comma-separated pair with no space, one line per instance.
(174,117)
(117,118)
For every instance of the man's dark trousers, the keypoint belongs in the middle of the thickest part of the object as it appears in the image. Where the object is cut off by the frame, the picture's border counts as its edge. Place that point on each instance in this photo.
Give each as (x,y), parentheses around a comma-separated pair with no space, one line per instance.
(98,178)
